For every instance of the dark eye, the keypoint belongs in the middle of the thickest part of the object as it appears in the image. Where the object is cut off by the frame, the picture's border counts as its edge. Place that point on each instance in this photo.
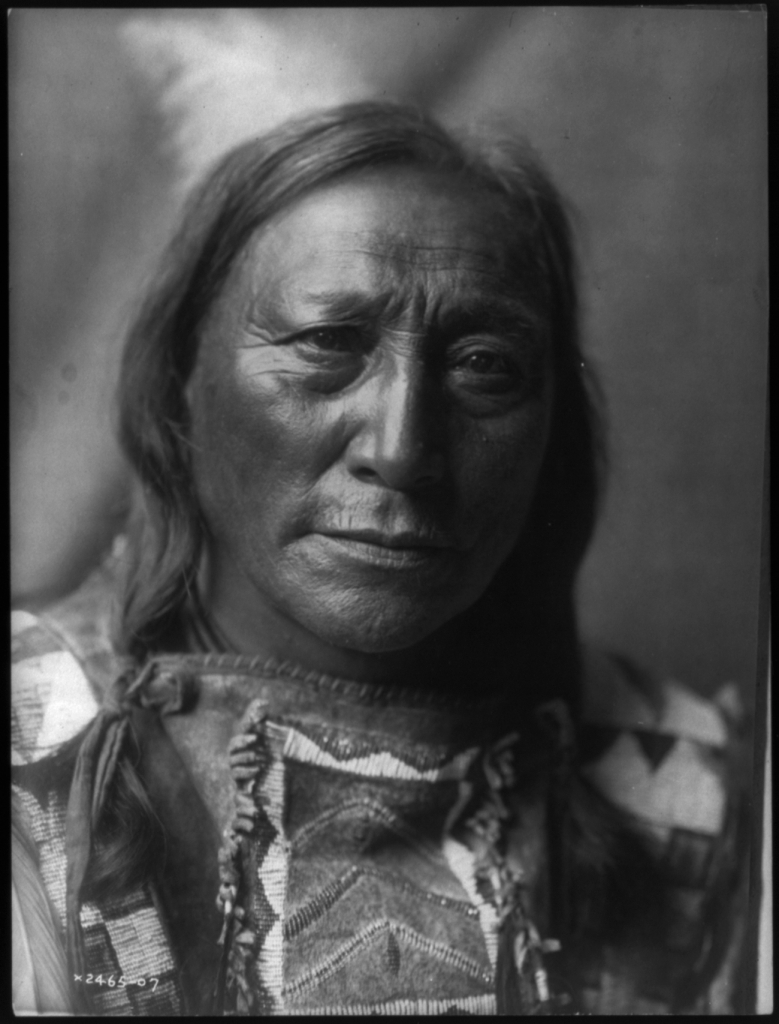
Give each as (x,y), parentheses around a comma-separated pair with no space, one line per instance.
(486,366)
(332,339)
(485,363)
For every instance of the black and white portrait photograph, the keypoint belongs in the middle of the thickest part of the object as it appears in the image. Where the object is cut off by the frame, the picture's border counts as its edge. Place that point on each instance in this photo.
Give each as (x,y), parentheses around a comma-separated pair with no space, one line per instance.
(389,511)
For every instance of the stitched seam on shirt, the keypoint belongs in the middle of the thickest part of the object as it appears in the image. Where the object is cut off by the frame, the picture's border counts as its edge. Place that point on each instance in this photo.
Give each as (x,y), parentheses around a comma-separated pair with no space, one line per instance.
(331,964)
(388,818)
(326,898)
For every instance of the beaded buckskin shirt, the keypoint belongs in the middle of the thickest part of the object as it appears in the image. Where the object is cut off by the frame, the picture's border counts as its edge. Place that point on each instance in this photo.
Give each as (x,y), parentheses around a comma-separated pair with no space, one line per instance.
(336,848)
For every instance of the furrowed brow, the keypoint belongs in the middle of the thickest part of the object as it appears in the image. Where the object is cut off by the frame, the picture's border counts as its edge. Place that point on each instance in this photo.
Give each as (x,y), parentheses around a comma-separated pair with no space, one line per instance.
(329,306)
(338,305)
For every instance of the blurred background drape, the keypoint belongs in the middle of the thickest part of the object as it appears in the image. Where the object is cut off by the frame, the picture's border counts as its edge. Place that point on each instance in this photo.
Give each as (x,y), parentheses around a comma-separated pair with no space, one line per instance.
(653,122)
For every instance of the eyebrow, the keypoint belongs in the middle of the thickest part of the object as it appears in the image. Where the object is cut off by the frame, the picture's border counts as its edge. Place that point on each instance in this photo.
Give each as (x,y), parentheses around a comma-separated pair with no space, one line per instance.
(351,305)
(484,312)
(478,312)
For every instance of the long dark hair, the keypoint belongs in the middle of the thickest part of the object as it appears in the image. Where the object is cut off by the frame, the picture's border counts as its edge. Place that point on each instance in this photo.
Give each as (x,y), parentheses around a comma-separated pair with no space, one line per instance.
(247,188)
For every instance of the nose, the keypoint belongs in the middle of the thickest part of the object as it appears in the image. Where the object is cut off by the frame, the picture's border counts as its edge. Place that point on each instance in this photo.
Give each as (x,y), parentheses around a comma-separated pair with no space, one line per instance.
(399,442)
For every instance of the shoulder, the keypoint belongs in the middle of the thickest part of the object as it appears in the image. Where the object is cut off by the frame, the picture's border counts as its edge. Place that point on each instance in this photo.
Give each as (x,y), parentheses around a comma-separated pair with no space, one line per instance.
(672,763)
(665,755)
(62,660)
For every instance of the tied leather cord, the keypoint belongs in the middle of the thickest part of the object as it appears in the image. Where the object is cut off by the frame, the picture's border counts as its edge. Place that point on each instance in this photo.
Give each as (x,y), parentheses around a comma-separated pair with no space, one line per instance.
(93,777)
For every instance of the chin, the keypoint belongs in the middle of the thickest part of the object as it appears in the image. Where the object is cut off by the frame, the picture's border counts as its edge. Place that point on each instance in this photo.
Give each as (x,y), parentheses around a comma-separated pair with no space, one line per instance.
(377,626)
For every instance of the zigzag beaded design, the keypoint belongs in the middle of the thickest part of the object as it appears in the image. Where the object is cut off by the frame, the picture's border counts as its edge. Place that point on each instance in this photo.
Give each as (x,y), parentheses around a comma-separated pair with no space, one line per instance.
(378,764)
(343,747)
(269,862)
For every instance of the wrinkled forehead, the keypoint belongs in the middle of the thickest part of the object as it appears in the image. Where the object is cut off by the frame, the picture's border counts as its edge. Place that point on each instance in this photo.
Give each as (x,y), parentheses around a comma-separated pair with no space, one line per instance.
(404,229)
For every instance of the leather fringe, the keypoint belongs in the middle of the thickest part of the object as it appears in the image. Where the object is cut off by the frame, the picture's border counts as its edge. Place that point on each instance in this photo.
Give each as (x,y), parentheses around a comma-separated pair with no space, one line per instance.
(233,993)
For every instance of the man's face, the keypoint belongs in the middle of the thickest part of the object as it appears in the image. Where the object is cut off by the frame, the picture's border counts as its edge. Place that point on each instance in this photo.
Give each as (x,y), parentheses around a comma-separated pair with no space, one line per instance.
(370,410)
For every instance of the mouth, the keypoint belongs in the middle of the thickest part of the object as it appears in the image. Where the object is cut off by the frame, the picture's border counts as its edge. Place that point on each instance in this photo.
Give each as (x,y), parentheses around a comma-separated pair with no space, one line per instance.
(405,549)
(406,540)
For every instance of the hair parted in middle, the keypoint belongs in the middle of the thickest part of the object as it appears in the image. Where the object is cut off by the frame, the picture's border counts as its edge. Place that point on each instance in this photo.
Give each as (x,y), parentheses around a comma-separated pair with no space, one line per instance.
(248,187)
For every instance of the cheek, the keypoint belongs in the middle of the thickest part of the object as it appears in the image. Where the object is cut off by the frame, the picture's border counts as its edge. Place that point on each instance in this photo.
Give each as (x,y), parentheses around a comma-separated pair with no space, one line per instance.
(258,433)
(499,465)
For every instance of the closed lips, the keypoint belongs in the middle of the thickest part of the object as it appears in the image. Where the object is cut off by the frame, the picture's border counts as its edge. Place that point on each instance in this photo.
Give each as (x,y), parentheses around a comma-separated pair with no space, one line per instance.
(405,540)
